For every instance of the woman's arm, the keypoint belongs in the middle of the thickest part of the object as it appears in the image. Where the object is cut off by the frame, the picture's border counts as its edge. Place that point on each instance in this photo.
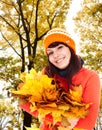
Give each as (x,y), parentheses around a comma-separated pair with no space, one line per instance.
(91,94)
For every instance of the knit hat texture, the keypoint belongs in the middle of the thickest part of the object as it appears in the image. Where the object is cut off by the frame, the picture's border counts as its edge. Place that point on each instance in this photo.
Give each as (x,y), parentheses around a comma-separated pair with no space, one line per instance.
(58,35)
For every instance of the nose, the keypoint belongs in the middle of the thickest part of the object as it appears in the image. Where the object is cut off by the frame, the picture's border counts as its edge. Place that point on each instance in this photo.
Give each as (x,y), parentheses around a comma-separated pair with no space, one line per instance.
(56,55)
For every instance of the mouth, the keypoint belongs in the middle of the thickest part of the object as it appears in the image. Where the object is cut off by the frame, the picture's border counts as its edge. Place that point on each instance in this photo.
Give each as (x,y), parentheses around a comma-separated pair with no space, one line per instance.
(59,60)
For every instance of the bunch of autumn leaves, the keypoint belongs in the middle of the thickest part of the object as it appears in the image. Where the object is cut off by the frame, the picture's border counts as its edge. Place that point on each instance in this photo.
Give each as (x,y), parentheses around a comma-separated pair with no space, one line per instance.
(53,105)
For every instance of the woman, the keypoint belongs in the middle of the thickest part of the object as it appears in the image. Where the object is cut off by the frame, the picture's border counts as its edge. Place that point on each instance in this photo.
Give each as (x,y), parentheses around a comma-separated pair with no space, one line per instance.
(66,68)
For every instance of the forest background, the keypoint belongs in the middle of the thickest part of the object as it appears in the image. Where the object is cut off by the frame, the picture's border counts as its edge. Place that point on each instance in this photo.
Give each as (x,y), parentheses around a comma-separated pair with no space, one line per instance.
(23,25)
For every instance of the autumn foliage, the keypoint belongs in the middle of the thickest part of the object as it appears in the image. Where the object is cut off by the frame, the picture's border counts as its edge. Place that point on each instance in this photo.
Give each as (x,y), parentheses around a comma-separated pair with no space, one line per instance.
(49,103)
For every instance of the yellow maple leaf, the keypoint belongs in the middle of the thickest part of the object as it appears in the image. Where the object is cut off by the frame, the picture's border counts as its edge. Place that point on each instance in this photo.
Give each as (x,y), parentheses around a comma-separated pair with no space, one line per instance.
(50,95)
(35,84)
(76,93)
(64,107)
(64,121)
(55,113)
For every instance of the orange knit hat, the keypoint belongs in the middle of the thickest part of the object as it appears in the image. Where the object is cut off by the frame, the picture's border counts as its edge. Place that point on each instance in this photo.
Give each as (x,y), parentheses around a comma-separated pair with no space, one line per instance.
(58,35)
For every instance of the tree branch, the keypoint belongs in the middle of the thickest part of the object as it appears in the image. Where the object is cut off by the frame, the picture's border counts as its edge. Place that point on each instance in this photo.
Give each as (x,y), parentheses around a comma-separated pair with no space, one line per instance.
(10,45)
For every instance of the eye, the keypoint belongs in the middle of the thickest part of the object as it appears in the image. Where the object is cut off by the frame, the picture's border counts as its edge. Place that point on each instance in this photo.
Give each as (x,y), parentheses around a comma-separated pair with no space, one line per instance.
(50,53)
(59,47)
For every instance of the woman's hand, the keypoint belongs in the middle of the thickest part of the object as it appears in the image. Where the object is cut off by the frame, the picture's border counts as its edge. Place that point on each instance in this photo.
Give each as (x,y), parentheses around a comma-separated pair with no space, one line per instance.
(73,122)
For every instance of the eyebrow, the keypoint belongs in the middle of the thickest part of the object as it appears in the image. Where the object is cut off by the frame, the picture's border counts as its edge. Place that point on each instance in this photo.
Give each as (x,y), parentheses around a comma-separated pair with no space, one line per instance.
(49,49)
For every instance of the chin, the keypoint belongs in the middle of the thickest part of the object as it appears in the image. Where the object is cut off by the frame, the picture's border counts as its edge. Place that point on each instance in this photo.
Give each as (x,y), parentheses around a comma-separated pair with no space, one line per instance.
(62,68)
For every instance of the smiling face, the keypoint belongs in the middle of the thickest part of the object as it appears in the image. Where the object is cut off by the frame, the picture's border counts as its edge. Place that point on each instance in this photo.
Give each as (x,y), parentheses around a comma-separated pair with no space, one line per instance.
(59,56)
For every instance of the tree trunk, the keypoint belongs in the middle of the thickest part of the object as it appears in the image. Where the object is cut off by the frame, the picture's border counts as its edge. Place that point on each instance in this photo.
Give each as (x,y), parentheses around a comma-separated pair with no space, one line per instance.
(27,120)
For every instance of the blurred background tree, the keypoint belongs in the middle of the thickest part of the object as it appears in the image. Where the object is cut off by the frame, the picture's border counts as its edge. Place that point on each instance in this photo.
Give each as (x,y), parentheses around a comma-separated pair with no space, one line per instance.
(10,116)
(89,26)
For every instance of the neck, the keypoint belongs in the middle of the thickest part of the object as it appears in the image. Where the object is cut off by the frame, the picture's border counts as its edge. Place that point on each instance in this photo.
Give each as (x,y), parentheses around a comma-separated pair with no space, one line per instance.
(63,72)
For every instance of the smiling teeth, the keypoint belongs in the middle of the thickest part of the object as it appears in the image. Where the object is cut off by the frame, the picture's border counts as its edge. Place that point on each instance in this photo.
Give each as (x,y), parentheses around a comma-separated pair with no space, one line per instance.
(59,60)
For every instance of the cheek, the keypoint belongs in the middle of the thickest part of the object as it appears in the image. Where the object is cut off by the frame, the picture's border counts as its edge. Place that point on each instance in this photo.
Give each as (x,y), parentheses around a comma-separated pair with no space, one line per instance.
(69,54)
(50,59)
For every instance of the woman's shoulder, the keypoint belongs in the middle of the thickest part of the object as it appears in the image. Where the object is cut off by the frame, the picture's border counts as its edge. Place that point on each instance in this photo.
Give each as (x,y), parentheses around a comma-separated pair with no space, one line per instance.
(86,74)
(86,71)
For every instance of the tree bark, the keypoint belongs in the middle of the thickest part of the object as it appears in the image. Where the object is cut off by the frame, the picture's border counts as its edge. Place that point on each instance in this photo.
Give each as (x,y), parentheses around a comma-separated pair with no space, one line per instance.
(27,120)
